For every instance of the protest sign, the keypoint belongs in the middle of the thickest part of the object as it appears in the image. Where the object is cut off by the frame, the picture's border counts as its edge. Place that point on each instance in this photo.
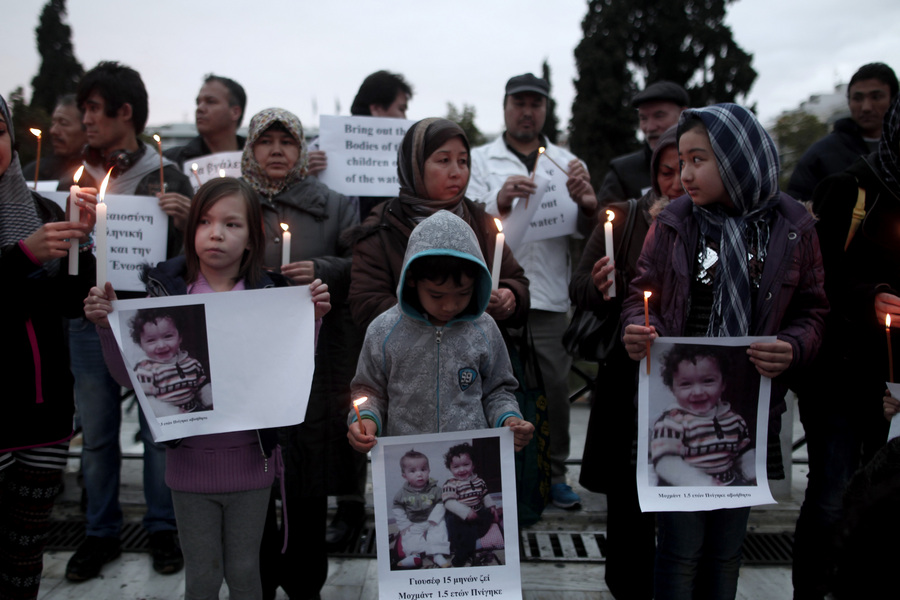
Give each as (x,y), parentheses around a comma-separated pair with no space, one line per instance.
(703,415)
(404,543)
(243,360)
(362,154)
(137,234)
(894,430)
(213,165)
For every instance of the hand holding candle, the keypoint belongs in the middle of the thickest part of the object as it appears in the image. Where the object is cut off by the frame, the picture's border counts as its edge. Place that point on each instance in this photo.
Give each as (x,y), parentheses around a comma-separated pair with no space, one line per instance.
(37,161)
(74,216)
(647,324)
(498,256)
(608,238)
(100,239)
(887,330)
(285,245)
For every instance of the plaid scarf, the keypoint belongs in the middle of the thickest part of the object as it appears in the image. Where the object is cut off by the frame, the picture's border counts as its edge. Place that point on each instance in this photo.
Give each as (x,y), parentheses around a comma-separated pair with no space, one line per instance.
(889,148)
(748,164)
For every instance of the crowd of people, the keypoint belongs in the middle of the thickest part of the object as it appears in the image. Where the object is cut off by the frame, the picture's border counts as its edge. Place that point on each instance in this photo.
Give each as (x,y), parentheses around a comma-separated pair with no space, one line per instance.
(395,281)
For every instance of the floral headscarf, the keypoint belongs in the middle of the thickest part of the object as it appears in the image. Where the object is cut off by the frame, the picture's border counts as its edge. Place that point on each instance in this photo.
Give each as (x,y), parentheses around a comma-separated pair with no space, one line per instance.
(18,215)
(252,171)
(418,144)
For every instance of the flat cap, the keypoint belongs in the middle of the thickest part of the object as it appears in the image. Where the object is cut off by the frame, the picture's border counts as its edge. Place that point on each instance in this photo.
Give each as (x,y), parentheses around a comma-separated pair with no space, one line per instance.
(662,91)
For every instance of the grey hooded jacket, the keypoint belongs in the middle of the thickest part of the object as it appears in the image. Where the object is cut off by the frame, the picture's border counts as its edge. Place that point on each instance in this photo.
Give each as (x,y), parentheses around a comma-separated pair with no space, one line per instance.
(420,378)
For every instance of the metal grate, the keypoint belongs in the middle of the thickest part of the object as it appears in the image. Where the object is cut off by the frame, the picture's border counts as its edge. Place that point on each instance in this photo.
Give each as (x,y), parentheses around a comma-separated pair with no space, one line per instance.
(760,549)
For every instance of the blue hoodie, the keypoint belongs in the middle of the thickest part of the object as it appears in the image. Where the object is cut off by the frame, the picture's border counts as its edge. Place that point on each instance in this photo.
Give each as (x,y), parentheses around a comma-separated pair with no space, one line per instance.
(422,378)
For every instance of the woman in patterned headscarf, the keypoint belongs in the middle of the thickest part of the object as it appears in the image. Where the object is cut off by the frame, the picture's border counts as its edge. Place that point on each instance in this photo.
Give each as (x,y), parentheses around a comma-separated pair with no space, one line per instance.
(38,402)
(316,452)
(433,168)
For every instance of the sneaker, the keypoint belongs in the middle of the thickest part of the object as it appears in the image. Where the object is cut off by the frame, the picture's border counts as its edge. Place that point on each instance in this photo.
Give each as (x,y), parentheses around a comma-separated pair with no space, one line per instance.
(562,496)
(166,551)
(92,554)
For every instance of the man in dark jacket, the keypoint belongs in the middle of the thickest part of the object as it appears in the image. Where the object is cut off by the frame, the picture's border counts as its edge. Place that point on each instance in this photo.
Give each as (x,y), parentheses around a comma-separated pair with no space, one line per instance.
(871,90)
(658,107)
(220,110)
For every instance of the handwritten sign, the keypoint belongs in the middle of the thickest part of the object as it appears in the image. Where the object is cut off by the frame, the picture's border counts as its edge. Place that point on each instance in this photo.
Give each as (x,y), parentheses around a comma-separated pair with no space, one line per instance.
(137,232)
(492,570)
(209,167)
(362,154)
(261,382)
(675,477)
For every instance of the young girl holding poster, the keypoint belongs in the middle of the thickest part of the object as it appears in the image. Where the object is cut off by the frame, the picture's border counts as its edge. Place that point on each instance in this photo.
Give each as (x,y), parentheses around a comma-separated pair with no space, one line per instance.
(735,258)
(220,483)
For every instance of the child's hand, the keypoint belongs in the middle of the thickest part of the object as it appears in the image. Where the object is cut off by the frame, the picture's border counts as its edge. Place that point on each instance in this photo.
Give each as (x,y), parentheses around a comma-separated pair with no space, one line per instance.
(771,359)
(362,440)
(321,297)
(600,276)
(636,338)
(495,513)
(301,272)
(472,515)
(891,405)
(522,431)
(98,305)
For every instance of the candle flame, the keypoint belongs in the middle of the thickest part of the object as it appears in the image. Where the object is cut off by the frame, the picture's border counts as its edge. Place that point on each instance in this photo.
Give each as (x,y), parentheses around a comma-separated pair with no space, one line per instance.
(284,226)
(541,150)
(887,320)
(359,401)
(647,294)
(610,215)
(78,173)
(156,137)
(221,172)
(499,224)
(35,132)
(104,184)
(194,167)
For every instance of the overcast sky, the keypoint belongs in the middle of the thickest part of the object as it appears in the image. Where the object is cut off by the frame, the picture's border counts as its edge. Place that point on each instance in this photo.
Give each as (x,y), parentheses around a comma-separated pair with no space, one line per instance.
(297,54)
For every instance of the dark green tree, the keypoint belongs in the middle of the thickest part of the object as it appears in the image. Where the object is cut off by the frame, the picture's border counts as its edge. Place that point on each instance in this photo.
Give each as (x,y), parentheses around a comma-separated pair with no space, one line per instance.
(630,43)
(466,120)
(795,133)
(24,118)
(60,70)
(551,123)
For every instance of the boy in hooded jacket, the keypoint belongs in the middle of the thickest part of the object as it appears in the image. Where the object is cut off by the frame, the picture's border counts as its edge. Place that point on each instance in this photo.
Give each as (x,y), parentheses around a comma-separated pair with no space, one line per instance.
(435,361)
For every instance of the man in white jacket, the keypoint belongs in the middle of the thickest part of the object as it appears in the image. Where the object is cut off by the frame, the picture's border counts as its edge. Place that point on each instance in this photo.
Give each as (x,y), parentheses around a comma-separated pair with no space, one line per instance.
(500,178)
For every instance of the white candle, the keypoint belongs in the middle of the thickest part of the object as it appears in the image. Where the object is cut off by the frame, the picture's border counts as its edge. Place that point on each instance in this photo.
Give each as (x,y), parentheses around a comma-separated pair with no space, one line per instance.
(285,245)
(608,236)
(100,239)
(498,256)
(74,216)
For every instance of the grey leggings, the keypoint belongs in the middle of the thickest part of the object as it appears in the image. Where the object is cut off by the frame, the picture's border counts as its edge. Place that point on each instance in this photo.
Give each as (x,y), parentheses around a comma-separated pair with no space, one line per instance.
(220,537)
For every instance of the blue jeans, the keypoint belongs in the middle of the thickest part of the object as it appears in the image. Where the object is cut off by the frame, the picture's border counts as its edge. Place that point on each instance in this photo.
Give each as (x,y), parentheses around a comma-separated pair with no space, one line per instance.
(98,400)
(698,554)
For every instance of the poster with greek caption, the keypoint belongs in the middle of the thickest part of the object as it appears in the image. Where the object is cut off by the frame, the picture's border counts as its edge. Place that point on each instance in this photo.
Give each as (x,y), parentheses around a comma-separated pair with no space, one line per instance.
(703,416)
(214,363)
(894,430)
(136,231)
(362,154)
(445,515)
(213,165)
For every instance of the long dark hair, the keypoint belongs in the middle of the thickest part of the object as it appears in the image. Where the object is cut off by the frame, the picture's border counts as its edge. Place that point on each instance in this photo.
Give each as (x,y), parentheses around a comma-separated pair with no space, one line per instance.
(212,191)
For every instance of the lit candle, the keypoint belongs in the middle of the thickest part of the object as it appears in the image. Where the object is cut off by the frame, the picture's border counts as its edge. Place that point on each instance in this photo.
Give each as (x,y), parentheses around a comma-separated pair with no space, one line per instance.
(162,181)
(608,236)
(356,404)
(37,162)
(100,240)
(285,245)
(647,324)
(221,172)
(498,256)
(550,158)
(194,167)
(74,216)
(887,330)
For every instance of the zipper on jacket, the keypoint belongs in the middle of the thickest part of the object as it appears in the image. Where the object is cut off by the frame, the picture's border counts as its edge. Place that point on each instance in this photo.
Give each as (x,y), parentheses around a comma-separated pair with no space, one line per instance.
(438,333)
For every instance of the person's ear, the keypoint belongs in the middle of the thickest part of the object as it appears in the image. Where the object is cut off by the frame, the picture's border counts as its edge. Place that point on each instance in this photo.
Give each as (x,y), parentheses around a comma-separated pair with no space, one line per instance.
(235,113)
(125,111)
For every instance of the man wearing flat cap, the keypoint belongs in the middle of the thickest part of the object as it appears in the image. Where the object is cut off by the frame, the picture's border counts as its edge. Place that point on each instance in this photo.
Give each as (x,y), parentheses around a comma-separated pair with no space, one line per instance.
(658,107)
(501,176)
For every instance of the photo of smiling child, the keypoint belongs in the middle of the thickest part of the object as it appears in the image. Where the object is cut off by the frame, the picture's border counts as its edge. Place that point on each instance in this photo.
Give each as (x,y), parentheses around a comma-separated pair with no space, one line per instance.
(701,439)
(174,378)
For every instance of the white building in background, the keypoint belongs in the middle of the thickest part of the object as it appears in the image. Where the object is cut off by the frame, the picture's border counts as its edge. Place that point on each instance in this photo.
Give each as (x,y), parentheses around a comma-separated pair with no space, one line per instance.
(828,107)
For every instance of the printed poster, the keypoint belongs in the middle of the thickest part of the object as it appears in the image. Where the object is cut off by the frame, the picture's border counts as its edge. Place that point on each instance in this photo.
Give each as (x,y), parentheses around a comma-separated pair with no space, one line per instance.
(702,426)
(446,556)
(220,362)
(213,165)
